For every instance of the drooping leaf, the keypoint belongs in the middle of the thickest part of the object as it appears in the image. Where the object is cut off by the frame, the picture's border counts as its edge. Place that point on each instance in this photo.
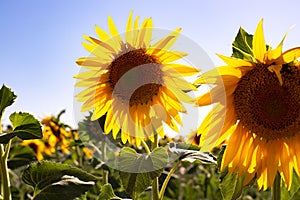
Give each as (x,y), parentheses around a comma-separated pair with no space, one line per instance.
(289,194)
(107,193)
(7,98)
(20,156)
(137,171)
(25,126)
(242,45)
(52,181)
(192,155)
(5,137)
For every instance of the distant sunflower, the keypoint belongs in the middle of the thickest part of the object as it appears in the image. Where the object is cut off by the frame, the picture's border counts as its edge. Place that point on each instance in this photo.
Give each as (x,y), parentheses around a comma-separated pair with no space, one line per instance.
(133,82)
(262,120)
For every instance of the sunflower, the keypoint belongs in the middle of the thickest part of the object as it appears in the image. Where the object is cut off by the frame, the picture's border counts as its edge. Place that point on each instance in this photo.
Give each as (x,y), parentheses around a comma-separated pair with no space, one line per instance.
(37,146)
(135,84)
(262,112)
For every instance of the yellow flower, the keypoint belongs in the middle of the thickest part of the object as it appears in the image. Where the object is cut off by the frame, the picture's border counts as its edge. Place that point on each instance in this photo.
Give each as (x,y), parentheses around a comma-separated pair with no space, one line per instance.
(134,83)
(37,146)
(261,113)
(88,152)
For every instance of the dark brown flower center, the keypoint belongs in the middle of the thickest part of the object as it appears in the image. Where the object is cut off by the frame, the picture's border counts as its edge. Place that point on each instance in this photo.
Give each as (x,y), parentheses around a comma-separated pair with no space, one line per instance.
(266,108)
(135,76)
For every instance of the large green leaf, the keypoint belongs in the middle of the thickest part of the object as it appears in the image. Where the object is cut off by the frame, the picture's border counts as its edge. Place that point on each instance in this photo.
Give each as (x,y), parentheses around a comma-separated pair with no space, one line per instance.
(107,193)
(25,126)
(20,156)
(231,185)
(52,181)
(137,171)
(289,194)
(242,45)
(7,97)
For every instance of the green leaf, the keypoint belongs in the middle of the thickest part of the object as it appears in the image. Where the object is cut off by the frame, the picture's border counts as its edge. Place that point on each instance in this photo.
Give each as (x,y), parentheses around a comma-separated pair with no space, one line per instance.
(107,193)
(285,194)
(7,97)
(191,155)
(231,186)
(20,156)
(137,171)
(53,181)
(5,137)
(25,126)
(242,45)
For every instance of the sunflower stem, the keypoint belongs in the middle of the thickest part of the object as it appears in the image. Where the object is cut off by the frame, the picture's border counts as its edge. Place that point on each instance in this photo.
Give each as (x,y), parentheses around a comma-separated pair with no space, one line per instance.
(155,185)
(146,147)
(5,182)
(276,189)
(166,181)
(105,172)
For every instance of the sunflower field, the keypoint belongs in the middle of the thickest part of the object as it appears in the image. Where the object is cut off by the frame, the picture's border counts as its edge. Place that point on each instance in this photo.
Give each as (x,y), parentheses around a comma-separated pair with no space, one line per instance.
(133,93)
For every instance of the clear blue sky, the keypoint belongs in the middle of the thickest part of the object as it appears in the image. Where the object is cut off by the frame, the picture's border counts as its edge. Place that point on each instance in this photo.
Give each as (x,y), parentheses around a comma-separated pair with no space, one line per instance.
(40,40)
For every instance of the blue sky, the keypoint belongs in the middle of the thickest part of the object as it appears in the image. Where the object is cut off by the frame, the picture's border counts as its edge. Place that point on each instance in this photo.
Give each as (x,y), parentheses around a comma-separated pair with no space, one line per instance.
(40,40)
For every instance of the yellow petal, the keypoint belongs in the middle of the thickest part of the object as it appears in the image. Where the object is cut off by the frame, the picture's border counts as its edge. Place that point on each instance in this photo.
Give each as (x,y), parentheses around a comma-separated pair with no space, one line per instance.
(275,55)
(171,56)
(210,127)
(98,51)
(166,43)
(258,43)
(135,33)
(142,33)
(129,33)
(291,55)
(101,33)
(185,70)
(276,69)
(232,148)
(214,75)
(100,111)
(148,33)
(235,62)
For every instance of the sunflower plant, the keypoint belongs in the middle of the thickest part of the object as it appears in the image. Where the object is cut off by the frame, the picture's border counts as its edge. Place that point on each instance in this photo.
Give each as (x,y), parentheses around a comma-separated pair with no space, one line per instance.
(24,127)
(136,87)
(261,113)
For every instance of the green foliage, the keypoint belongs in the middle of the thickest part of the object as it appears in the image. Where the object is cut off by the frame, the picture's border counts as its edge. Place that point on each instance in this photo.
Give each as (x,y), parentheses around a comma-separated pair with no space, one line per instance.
(231,186)
(7,98)
(242,45)
(137,171)
(107,193)
(20,156)
(25,127)
(285,194)
(56,181)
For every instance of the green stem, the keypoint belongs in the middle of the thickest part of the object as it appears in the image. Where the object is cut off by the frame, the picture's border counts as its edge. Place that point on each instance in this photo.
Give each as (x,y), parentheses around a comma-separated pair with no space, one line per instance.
(155,185)
(4,172)
(166,181)
(5,182)
(276,189)
(146,147)
(105,172)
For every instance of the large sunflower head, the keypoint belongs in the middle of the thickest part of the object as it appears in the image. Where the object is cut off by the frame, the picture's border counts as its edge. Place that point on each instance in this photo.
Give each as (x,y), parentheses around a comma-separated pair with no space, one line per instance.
(262,110)
(134,82)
